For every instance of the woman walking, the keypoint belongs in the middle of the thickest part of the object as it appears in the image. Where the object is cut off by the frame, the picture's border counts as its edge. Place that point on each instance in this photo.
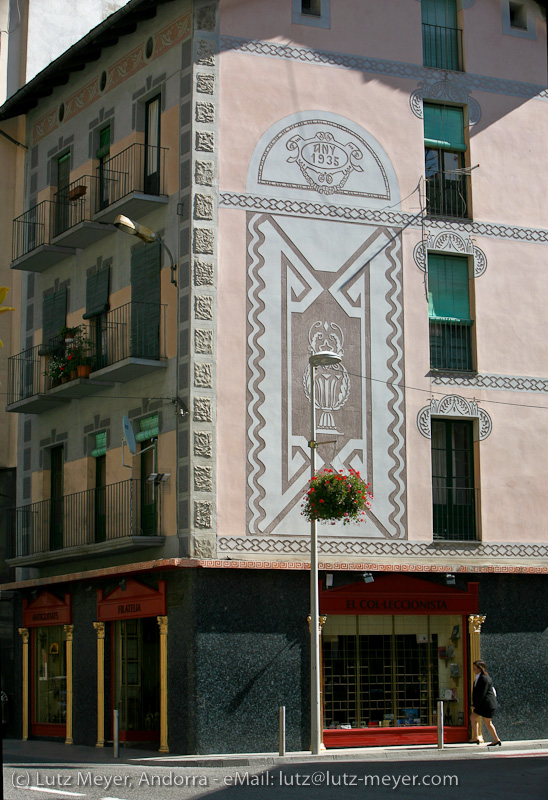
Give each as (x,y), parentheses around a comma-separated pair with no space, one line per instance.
(484,704)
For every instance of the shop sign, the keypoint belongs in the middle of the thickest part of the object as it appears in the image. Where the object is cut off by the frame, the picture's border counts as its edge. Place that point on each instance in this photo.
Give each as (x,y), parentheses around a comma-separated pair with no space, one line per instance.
(132,602)
(399,595)
(47,609)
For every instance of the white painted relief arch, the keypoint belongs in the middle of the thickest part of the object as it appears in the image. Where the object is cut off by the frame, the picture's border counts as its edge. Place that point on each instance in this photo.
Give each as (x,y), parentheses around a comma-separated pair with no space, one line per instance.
(314,284)
(452,405)
(325,158)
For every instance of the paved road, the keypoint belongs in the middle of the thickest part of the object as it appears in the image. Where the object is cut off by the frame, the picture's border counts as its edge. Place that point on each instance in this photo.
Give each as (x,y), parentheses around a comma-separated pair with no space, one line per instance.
(448,774)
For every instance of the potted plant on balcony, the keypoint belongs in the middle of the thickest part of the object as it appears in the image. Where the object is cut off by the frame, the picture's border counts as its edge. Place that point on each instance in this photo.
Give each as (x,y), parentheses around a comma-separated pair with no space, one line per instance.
(333,496)
(57,370)
(68,333)
(79,354)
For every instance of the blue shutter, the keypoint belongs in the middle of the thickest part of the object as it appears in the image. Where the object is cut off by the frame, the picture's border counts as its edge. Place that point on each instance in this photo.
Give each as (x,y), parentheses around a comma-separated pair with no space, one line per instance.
(444,127)
(448,294)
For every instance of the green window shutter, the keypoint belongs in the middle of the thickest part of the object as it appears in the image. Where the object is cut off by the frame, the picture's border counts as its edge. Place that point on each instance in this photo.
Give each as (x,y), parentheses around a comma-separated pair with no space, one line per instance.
(439,12)
(104,144)
(54,315)
(145,302)
(444,127)
(100,448)
(148,428)
(448,295)
(97,291)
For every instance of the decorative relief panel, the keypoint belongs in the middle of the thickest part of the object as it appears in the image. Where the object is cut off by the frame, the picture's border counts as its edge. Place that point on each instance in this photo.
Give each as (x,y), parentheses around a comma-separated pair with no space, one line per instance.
(453,88)
(312,285)
(449,241)
(324,154)
(453,406)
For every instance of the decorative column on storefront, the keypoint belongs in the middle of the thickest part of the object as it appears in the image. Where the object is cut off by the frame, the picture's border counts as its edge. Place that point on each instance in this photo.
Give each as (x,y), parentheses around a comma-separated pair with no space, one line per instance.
(162,622)
(68,639)
(100,630)
(321,622)
(475,621)
(25,635)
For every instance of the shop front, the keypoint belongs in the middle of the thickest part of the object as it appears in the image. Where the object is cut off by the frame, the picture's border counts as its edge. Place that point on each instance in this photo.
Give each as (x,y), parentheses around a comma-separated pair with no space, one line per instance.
(134,617)
(47,666)
(391,648)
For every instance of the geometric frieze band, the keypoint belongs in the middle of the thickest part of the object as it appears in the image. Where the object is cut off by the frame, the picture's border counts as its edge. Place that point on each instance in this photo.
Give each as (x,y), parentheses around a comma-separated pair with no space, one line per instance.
(396,69)
(316,210)
(512,383)
(379,548)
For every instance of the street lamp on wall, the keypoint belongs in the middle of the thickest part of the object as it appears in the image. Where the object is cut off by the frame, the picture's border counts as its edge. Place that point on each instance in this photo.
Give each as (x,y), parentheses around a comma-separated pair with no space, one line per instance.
(127,225)
(321,359)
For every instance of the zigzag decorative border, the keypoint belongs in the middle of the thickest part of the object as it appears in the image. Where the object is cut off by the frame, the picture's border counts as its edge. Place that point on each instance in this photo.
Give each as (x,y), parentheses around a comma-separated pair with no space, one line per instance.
(393,69)
(379,548)
(278,205)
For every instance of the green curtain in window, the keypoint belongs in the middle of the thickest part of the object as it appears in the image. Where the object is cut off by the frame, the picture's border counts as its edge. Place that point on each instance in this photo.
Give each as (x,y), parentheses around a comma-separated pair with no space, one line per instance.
(444,127)
(100,448)
(104,144)
(448,295)
(148,428)
(97,290)
(439,12)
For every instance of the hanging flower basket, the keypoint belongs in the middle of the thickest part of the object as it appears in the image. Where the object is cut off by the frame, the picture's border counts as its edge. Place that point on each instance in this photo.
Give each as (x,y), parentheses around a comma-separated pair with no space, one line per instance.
(333,496)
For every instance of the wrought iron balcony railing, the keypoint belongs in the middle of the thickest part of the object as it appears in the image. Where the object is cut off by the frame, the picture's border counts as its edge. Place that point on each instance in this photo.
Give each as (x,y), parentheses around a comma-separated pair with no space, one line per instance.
(447,196)
(73,205)
(138,168)
(31,229)
(134,330)
(451,344)
(442,47)
(128,508)
(456,512)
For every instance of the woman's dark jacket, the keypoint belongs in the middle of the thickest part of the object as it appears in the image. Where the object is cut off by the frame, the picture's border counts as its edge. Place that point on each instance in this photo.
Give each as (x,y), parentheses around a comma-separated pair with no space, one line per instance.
(483,696)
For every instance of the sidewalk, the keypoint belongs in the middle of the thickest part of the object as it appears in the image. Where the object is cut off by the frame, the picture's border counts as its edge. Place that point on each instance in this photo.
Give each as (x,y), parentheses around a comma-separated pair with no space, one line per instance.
(33,752)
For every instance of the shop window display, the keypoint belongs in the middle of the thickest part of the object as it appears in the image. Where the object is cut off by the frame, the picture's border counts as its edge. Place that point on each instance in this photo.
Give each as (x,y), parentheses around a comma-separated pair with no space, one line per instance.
(50,696)
(390,671)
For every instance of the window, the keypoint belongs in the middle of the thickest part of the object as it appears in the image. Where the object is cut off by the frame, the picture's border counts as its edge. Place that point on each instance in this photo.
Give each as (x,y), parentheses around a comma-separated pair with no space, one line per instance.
(453,492)
(152,146)
(54,314)
(441,39)
(311,12)
(145,302)
(56,498)
(518,16)
(97,305)
(62,206)
(446,179)
(50,694)
(103,154)
(311,7)
(449,312)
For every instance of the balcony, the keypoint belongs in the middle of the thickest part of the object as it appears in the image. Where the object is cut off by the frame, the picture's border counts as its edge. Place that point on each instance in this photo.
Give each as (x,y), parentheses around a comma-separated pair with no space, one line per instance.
(451,345)
(32,247)
(456,512)
(129,342)
(117,518)
(446,193)
(72,224)
(132,182)
(34,387)
(442,47)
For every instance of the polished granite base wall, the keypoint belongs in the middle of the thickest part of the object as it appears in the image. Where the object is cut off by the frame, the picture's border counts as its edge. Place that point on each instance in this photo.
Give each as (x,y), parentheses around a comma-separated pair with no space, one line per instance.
(238,648)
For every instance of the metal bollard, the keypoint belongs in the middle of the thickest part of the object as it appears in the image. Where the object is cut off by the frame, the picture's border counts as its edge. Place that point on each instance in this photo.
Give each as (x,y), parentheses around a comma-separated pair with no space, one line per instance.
(440,724)
(116,734)
(282,731)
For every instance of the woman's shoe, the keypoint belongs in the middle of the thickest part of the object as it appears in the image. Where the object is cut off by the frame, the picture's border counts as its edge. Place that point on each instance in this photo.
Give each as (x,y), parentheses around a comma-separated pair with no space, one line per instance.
(495,744)
(474,741)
